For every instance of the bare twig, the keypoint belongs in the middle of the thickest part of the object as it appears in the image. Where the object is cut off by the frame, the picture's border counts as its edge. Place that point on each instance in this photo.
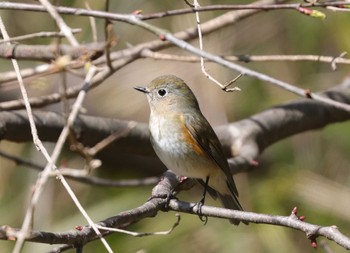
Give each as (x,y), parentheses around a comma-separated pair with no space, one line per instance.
(140,234)
(333,8)
(60,142)
(10,76)
(123,57)
(111,138)
(38,35)
(60,22)
(20,161)
(241,69)
(125,17)
(226,86)
(80,175)
(90,152)
(91,180)
(249,58)
(254,6)
(334,61)
(92,24)
(51,161)
(71,92)
(137,21)
(244,71)
(108,37)
(38,144)
(200,39)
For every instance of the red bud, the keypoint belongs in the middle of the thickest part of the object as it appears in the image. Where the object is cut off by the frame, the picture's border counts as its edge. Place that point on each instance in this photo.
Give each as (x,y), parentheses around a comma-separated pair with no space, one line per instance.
(182,178)
(305,11)
(79,228)
(137,12)
(162,37)
(312,13)
(302,218)
(254,163)
(314,244)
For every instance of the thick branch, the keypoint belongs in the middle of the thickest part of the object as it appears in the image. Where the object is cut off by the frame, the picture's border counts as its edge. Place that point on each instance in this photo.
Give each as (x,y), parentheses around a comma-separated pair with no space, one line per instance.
(14,126)
(244,140)
(48,53)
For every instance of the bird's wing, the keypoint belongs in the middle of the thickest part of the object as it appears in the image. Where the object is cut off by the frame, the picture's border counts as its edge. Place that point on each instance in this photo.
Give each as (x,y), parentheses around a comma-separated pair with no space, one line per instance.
(209,143)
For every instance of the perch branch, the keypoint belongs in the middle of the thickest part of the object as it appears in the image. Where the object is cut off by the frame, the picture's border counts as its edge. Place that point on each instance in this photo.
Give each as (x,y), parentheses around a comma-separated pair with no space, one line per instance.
(84,234)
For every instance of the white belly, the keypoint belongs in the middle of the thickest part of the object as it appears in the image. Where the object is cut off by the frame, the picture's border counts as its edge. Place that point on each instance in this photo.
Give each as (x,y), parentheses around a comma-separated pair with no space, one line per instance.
(176,155)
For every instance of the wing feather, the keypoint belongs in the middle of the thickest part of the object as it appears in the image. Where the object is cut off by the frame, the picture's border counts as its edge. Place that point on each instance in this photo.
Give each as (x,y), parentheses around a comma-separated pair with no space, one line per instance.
(209,142)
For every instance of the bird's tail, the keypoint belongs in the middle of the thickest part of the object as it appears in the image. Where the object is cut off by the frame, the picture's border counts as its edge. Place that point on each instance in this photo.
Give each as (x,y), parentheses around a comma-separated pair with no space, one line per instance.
(231,202)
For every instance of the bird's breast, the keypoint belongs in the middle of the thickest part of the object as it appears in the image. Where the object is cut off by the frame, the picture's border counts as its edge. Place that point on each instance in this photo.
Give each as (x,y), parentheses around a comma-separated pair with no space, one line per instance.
(176,148)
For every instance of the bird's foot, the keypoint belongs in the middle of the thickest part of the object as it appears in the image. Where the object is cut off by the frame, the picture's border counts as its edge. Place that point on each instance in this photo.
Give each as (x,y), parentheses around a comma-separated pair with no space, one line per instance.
(202,217)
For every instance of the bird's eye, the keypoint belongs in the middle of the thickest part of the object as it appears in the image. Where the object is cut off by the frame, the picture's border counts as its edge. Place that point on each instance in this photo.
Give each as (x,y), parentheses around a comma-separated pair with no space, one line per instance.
(162,92)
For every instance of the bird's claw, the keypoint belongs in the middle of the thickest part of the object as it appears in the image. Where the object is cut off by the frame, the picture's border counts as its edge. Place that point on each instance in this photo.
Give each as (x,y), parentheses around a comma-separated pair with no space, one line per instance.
(202,217)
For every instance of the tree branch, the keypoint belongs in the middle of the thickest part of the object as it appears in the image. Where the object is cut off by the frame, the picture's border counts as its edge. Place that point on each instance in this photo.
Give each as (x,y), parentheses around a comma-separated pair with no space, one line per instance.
(48,53)
(84,234)
(124,17)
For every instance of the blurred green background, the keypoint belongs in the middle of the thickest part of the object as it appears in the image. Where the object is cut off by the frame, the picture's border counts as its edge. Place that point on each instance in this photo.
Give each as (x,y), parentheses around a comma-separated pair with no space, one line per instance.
(310,171)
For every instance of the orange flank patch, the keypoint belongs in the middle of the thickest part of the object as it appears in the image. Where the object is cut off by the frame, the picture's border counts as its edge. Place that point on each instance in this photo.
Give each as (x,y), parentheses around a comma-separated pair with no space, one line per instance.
(188,138)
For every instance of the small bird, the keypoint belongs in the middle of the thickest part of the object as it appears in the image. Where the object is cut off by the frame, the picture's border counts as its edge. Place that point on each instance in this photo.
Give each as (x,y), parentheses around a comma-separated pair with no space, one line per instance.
(184,140)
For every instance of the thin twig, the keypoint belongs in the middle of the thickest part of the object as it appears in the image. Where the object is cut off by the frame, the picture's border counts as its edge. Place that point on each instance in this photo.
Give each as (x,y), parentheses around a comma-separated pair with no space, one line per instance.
(92,24)
(334,61)
(21,161)
(108,30)
(59,145)
(243,70)
(10,76)
(226,86)
(67,31)
(90,152)
(133,53)
(51,161)
(139,234)
(71,92)
(80,175)
(333,8)
(38,35)
(38,144)
(125,17)
(249,58)
(111,138)
(200,40)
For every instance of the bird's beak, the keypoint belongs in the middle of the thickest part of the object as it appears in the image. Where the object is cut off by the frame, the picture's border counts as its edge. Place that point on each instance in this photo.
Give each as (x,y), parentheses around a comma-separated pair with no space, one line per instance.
(142,89)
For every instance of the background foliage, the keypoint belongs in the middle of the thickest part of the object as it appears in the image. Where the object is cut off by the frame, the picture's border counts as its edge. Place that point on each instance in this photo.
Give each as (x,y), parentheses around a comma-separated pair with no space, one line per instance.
(309,170)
